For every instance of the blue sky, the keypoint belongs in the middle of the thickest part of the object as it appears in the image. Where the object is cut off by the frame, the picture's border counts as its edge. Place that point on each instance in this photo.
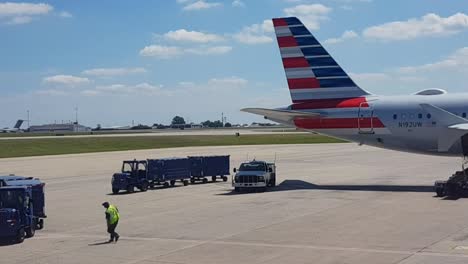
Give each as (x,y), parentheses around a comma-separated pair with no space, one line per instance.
(146,61)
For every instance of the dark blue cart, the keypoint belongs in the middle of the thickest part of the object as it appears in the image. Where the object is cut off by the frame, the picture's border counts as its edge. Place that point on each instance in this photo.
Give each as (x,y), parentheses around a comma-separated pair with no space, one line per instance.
(209,166)
(22,207)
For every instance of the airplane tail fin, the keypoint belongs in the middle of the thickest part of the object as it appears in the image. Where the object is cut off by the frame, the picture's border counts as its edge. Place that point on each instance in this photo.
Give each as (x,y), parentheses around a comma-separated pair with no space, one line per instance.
(19,123)
(311,72)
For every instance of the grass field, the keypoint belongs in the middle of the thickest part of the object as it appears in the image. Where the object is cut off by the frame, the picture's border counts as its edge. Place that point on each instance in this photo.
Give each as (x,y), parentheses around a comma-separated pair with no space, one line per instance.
(57,146)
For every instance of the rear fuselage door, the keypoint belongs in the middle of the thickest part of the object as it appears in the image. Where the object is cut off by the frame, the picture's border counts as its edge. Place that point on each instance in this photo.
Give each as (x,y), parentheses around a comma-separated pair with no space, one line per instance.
(365,118)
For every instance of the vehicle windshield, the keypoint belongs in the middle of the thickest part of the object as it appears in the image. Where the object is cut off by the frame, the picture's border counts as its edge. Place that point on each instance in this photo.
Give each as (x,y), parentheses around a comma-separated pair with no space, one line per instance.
(127,167)
(253,166)
(11,199)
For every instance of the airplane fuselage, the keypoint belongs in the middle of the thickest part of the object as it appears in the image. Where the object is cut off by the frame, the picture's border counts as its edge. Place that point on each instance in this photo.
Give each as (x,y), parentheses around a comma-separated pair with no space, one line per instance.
(392,122)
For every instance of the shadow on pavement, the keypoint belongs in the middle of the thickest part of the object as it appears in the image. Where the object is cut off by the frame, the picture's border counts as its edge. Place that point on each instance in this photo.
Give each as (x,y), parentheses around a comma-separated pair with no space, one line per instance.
(100,243)
(290,185)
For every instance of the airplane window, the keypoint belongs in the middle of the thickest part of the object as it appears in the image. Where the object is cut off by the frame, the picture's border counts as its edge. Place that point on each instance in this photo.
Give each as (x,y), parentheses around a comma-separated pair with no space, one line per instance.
(395,116)
(411,116)
(403,116)
(428,116)
(464,115)
(419,116)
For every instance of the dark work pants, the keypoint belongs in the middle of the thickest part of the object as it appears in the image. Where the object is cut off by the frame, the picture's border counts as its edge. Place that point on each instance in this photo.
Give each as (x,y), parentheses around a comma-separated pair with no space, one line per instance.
(111,231)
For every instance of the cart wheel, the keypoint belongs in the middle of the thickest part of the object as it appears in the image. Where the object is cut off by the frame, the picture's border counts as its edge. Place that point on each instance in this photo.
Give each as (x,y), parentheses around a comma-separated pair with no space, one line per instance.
(20,236)
(31,230)
(166,184)
(185,182)
(151,185)
(192,180)
(172,183)
(144,186)
(225,178)
(130,188)
(205,180)
(40,224)
(213,178)
(115,190)
(440,192)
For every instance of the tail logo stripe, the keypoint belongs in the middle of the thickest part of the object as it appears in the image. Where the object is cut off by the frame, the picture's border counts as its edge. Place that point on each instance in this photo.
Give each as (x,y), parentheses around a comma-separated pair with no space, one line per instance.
(285,42)
(295,62)
(299,73)
(302,83)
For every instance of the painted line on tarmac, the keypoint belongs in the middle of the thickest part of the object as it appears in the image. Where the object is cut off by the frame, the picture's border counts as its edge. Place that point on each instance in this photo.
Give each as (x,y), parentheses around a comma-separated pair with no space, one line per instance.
(197,242)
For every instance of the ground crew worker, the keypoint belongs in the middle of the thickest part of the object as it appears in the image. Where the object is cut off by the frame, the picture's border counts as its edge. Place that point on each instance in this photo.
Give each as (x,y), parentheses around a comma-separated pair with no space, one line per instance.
(112,218)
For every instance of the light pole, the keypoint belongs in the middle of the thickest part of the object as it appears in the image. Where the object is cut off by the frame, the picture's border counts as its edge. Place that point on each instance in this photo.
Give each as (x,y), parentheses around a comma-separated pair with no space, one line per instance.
(76,115)
(28,119)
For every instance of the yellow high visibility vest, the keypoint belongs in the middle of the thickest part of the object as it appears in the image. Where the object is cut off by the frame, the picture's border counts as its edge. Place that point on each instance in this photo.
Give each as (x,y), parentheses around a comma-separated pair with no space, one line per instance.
(113,213)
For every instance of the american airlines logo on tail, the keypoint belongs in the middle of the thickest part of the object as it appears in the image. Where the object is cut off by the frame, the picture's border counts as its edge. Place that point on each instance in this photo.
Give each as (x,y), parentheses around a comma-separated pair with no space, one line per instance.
(311,72)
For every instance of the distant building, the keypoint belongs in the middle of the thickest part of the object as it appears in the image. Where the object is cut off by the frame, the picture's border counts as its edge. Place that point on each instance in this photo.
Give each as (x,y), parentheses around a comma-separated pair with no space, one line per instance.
(70,127)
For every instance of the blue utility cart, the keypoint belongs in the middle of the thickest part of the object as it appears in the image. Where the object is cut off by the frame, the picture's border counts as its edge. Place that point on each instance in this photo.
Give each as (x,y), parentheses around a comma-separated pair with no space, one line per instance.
(168,171)
(22,207)
(209,166)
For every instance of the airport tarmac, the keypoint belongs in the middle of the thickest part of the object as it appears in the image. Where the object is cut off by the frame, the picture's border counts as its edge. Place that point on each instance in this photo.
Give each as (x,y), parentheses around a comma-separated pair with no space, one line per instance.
(335,203)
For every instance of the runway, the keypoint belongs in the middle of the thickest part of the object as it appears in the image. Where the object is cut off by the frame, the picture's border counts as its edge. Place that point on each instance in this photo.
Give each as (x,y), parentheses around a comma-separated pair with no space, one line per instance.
(335,203)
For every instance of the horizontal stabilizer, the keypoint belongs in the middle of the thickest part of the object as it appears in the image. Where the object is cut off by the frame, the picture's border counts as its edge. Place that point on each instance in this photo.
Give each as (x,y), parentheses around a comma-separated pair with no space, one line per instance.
(456,126)
(280,114)
(443,117)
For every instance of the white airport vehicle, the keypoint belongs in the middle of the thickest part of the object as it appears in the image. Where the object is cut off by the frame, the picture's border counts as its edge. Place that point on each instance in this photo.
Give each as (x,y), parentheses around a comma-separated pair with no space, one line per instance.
(254,175)
(326,100)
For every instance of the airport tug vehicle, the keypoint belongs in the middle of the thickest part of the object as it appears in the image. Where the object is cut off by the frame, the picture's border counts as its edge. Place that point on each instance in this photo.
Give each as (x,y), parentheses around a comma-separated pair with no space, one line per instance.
(144,174)
(254,175)
(22,207)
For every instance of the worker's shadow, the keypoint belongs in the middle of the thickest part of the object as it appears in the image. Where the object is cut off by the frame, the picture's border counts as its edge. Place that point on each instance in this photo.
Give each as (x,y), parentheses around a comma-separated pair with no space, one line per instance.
(100,243)
(291,185)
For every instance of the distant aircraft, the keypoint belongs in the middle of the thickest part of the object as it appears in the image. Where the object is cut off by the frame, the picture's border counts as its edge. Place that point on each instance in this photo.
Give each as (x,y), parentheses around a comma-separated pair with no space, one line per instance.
(327,101)
(115,128)
(16,128)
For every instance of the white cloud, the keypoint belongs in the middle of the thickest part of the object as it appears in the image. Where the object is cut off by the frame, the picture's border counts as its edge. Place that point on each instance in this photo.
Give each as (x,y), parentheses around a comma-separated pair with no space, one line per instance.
(122,89)
(166,52)
(22,13)
(107,72)
(310,14)
(429,25)
(192,36)
(256,33)
(216,50)
(199,5)
(24,9)
(238,3)
(228,82)
(65,14)
(348,34)
(458,61)
(159,51)
(68,80)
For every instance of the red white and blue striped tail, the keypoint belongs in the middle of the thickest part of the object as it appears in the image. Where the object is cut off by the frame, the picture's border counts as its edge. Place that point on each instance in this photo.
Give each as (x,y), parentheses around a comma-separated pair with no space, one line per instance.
(311,72)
